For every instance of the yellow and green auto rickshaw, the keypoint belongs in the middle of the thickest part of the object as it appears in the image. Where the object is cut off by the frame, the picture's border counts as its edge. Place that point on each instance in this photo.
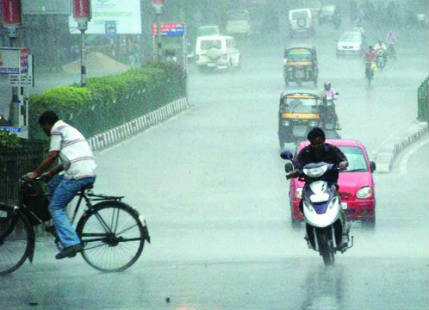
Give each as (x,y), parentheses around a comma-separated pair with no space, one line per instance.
(300,65)
(299,111)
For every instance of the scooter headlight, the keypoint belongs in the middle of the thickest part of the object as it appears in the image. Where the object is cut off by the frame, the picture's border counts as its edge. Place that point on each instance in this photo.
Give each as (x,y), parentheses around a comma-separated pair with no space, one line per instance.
(364,192)
(315,172)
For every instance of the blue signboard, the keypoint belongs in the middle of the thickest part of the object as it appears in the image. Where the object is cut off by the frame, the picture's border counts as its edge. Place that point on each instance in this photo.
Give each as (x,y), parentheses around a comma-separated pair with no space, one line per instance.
(170,30)
(110,27)
(11,129)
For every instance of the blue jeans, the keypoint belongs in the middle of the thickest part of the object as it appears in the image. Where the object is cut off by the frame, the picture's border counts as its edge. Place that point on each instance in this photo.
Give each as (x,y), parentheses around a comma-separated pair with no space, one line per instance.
(63,191)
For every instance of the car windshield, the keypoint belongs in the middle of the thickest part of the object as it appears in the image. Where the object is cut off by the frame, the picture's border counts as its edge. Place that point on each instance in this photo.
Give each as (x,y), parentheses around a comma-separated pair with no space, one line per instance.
(299,14)
(355,157)
(302,105)
(328,9)
(208,44)
(350,37)
(299,55)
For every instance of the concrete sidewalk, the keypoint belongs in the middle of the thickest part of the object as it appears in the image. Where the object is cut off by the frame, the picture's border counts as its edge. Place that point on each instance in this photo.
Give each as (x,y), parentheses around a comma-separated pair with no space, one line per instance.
(385,157)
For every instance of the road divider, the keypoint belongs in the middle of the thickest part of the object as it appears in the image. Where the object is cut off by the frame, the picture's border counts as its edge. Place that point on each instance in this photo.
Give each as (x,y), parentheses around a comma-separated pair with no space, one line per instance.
(122,132)
(386,156)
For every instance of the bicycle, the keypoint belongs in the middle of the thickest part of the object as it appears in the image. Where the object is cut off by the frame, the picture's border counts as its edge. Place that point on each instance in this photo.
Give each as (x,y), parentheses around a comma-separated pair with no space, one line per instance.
(112,233)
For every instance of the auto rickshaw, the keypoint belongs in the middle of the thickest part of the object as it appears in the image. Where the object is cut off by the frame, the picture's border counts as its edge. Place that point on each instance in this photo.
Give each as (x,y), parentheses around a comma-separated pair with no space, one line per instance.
(299,111)
(300,65)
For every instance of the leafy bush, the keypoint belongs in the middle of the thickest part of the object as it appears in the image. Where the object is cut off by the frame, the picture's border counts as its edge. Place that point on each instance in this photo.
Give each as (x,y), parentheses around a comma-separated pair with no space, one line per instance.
(110,101)
(8,140)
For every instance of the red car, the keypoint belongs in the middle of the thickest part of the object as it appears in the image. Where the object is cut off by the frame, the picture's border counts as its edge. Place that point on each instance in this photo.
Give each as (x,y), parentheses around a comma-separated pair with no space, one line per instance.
(356,184)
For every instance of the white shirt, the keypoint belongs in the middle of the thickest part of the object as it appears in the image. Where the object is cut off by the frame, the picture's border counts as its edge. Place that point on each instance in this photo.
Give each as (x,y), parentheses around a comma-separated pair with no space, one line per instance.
(75,154)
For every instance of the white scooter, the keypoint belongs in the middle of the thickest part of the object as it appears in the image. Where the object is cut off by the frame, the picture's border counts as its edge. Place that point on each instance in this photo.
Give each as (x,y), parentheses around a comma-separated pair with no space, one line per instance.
(326,228)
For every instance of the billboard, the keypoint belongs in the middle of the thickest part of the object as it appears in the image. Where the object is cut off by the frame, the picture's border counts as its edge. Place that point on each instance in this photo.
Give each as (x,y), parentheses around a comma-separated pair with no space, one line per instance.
(125,14)
(170,29)
(13,60)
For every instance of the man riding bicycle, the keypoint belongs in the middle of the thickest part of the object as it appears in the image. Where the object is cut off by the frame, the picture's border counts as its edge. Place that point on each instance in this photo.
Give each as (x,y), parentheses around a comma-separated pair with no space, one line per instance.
(78,162)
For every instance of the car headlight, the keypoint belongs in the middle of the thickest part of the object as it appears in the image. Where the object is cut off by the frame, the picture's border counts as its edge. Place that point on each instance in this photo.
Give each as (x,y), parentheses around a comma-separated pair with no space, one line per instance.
(298,193)
(364,192)
(286,123)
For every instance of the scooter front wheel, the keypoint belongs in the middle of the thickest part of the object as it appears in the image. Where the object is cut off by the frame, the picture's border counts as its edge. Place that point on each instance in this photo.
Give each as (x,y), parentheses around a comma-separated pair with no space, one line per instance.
(326,247)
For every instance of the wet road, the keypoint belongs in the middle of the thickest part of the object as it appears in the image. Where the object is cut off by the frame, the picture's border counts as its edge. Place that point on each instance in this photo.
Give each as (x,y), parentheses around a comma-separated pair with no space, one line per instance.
(211,186)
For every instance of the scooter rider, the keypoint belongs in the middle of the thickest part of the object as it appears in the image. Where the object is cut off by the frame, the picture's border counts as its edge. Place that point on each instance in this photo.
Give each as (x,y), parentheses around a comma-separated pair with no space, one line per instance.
(329,93)
(380,46)
(319,151)
(370,57)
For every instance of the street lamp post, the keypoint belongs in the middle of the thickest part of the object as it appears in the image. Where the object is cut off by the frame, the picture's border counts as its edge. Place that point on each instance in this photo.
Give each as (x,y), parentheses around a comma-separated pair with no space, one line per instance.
(82,15)
(11,19)
(158,5)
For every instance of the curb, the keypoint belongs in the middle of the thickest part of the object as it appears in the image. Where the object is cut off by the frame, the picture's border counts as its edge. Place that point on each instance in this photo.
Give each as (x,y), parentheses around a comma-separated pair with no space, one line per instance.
(387,155)
(122,132)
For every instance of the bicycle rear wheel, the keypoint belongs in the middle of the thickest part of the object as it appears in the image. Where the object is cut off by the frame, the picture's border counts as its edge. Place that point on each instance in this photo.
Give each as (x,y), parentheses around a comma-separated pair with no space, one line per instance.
(113,236)
(15,245)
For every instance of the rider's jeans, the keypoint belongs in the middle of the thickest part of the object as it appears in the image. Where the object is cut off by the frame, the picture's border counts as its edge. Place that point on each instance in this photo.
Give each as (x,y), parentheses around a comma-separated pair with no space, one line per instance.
(63,191)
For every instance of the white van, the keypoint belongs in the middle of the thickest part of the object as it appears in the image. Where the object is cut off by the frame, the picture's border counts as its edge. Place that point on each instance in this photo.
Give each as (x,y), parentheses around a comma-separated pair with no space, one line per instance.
(216,52)
(237,22)
(301,22)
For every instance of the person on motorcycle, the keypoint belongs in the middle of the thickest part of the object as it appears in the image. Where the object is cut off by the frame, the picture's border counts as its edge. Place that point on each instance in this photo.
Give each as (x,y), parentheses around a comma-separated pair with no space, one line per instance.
(319,151)
(370,54)
(380,46)
(329,93)
(370,57)
(391,41)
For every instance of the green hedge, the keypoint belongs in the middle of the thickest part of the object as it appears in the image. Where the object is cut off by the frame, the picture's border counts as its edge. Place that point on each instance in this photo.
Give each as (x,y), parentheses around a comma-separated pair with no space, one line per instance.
(110,101)
(423,101)
(17,157)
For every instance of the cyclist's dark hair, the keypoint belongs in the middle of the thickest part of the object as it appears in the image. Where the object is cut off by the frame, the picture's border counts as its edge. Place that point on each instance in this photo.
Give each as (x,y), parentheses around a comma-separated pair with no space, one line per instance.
(315,133)
(48,117)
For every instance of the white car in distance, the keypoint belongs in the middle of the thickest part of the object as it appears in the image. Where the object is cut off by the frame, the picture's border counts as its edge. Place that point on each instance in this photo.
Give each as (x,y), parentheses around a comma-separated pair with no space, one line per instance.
(216,52)
(351,43)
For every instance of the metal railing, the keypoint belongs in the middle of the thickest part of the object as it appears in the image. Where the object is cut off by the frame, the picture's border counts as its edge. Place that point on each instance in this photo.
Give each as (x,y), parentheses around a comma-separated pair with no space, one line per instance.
(423,101)
(15,162)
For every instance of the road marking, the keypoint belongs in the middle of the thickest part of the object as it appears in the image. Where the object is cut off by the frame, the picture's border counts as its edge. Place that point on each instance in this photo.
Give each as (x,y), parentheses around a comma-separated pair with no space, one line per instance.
(390,138)
(413,149)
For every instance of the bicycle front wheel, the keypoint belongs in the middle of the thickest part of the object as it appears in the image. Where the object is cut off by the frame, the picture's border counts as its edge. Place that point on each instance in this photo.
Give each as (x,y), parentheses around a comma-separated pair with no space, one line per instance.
(15,235)
(113,236)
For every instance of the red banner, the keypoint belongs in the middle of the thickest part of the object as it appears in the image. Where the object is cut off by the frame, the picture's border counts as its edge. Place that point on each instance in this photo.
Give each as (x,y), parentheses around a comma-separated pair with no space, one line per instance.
(82,9)
(11,12)
(158,2)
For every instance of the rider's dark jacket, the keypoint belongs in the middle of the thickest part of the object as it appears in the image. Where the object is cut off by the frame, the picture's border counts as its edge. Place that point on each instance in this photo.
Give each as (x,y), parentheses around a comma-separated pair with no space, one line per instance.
(327,153)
